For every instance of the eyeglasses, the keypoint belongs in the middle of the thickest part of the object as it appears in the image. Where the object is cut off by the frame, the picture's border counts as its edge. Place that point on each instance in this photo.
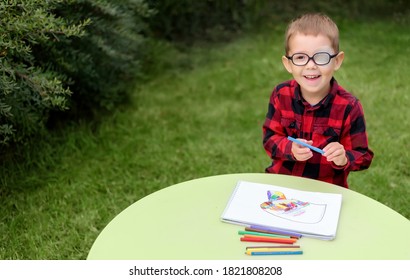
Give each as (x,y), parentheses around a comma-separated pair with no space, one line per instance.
(320,58)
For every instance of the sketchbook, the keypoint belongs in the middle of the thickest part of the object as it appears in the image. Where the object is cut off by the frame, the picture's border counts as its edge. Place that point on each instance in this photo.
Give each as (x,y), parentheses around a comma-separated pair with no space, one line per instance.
(312,214)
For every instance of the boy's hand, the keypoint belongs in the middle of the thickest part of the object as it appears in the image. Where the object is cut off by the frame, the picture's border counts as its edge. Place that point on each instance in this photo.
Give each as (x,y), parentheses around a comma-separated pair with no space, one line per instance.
(302,153)
(335,152)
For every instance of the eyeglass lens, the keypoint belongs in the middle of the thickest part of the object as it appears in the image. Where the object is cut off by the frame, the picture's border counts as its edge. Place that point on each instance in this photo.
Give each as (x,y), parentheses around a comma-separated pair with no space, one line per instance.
(318,58)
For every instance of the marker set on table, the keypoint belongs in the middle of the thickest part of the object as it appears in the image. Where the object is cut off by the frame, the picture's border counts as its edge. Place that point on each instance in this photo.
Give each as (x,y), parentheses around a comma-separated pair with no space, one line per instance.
(265,235)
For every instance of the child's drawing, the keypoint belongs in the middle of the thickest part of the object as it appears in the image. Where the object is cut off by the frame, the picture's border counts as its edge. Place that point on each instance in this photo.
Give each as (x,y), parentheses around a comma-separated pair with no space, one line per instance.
(293,209)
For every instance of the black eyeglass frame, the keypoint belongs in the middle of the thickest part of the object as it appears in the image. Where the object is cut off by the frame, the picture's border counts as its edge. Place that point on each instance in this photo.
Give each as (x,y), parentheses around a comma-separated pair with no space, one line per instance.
(312,58)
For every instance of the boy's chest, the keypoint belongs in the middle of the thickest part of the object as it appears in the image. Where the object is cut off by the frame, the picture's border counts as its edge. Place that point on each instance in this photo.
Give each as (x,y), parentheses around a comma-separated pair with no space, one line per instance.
(321,124)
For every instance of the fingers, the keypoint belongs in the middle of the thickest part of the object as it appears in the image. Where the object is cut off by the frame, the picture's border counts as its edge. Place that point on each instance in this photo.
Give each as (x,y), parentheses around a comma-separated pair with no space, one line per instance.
(302,153)
(333,149)
(335,152)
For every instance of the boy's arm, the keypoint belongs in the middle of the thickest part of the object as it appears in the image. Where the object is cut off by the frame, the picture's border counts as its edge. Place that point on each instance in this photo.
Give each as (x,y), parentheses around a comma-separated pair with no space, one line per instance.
(274,136)
(354,139)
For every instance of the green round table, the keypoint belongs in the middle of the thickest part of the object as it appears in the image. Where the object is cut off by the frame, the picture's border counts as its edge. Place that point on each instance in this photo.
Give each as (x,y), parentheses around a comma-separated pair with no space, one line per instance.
(182,222)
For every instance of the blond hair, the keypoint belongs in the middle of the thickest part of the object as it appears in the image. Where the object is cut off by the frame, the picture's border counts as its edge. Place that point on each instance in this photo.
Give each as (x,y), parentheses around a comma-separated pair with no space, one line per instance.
(313,24)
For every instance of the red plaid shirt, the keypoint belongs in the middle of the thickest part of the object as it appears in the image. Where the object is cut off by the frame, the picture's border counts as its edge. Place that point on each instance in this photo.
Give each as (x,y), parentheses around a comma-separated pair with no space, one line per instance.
(337,118)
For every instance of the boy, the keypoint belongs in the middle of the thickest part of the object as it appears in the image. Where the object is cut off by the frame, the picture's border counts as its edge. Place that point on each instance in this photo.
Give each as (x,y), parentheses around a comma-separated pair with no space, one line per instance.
(312,108)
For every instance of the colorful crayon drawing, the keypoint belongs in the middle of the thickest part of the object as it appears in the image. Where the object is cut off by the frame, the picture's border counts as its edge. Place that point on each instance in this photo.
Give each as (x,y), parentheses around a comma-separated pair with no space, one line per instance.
(293,209)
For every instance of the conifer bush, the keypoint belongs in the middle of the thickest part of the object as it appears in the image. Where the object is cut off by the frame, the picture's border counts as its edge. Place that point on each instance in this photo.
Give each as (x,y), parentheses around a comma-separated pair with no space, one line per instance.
(28,87)
(104,63)
(58,55)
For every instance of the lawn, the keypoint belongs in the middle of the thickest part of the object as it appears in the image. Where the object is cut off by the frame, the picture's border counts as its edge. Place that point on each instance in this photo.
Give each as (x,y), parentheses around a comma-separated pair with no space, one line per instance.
(201,117)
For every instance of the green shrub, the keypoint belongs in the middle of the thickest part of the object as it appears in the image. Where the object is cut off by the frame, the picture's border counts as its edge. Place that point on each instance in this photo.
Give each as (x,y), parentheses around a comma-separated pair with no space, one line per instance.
(104,63)
(65,54)
(186,20)
(29,88)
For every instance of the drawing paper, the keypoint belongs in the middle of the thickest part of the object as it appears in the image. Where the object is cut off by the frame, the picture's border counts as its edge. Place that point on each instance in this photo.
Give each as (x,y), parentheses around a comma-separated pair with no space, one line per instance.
(313,214)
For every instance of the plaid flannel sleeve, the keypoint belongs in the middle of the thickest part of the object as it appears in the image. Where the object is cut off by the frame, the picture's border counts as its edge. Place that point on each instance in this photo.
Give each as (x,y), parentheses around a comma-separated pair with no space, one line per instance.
(355,141)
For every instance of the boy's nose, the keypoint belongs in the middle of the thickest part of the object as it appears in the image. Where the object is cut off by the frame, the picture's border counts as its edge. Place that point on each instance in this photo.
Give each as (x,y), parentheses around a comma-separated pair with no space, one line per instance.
(311,64)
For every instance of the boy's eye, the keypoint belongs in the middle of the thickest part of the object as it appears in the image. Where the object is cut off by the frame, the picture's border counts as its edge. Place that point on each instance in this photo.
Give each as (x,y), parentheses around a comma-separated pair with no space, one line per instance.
(299,57)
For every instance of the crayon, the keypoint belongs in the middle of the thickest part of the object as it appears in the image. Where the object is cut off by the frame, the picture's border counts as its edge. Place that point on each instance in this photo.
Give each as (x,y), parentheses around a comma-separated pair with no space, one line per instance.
(287,240)
(272,240)
(272,247)
(273,250)
(269,237)
(242,232)
(273,231)
(275,253)
(320,151)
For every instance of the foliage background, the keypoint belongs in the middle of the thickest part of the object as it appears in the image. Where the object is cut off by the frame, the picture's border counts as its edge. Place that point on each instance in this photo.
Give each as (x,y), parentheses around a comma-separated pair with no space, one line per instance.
(77,58)
(65,56)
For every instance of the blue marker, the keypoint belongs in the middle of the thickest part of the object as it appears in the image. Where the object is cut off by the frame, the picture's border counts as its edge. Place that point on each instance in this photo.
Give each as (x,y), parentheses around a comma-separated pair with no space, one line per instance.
(306,145)
(262,253)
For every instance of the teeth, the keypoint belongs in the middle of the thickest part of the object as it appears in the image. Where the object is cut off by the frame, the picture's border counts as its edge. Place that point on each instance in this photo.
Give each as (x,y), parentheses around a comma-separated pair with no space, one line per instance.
(311,77)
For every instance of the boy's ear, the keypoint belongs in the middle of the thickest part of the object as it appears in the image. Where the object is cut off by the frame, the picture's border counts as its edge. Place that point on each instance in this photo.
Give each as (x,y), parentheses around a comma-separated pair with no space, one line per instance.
(339,60)
(286,62)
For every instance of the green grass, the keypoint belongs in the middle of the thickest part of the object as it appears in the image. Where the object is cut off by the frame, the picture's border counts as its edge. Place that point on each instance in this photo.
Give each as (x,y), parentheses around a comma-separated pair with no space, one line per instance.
(201,121)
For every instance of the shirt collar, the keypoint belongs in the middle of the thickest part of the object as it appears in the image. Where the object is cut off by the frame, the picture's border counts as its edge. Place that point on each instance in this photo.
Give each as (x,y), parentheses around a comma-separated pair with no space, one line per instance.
(325,101)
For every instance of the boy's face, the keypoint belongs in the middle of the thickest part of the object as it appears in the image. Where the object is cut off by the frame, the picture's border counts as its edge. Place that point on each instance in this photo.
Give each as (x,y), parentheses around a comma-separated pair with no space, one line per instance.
(314,80)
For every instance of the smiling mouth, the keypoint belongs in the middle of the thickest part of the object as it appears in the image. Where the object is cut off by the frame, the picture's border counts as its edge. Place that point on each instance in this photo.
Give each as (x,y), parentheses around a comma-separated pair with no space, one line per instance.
(311,77)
